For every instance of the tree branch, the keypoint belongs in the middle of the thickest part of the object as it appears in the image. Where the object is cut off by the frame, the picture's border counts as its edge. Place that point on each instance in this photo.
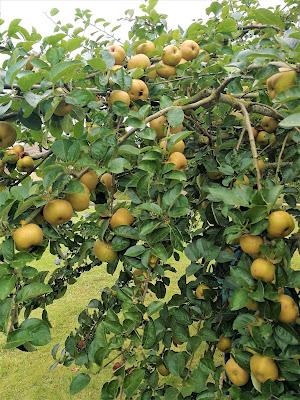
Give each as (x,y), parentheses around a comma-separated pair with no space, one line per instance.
(281,154)
(258,26)
(214,94)
(252,142)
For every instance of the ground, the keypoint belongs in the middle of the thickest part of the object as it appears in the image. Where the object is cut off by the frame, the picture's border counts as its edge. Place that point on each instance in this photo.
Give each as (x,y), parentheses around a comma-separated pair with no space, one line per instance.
(26,376)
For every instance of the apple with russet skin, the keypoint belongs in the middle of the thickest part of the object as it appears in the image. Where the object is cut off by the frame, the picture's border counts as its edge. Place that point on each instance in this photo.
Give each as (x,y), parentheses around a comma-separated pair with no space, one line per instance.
(119,95)
(118,53)
(146,48)
(138,61)
(189,49)
(165,71)
(138,90)
(171,55)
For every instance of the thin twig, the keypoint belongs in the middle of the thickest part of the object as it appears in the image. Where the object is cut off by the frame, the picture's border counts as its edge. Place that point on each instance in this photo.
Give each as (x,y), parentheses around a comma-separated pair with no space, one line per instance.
(240,139)
(252,142)
(281,154)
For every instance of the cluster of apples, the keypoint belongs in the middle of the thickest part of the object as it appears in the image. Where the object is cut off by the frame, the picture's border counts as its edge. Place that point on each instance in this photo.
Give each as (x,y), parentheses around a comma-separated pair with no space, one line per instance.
(265,134)
(59,211)
(103,250)
(172,56)
(263,368)
(280,225)
(15,154)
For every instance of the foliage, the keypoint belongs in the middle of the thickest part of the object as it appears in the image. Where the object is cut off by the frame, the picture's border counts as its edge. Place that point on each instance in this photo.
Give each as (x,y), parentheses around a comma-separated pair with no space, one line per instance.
(202,210)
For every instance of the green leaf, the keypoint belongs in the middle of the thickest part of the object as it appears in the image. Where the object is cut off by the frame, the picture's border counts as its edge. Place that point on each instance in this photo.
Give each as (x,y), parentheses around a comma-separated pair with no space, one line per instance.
(110,390)
(118,165)
(72,44)
(128,149)
(229,25)
(7,284)
(238,299)
(291,121)
(32,330)
(5,310)
(233,197)
(173,139)
(79,382)
(135,251)
(65,70)
(267,17)
(132,382)
(175,116)
(66,150)
(175,362)
(202,248)
(97,64)
(32,290)
(149,337)
(26,81)
(54,11)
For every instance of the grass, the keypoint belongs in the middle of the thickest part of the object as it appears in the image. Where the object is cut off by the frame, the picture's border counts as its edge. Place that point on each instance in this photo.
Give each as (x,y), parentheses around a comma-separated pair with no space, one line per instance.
(27,376)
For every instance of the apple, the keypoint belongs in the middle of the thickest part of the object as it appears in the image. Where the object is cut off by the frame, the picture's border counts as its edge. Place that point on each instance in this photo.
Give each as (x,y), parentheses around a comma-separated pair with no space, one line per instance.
(171,55)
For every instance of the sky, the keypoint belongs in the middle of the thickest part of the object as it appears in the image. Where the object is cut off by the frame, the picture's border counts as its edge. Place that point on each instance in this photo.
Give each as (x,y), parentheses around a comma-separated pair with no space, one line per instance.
(32,12)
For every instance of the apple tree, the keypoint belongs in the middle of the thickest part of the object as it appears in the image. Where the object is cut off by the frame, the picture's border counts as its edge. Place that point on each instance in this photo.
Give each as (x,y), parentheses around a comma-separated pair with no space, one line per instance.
(127,156)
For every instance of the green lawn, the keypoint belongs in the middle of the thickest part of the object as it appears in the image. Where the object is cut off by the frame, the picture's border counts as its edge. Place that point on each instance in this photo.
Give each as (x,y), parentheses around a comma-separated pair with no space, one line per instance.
(26,376)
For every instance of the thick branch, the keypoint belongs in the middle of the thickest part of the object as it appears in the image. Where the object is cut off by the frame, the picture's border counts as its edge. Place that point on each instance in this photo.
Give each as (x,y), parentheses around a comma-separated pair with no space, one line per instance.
(214,94)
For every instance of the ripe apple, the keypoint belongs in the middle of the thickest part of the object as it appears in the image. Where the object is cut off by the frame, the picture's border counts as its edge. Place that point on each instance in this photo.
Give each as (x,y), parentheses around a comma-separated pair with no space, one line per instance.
(159,125)
(118,52)
(281,82)
(280,224)
(138,61)
(236,374)
(263,368)
(262,269)
(171,55)
(165,71)
(179,160)
(8,134)
(146,48)
(119,95)
(139,90)
(189,49)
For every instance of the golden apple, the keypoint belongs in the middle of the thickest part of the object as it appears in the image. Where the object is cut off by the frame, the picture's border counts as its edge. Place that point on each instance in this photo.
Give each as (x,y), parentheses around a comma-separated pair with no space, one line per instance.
(27,236)
(262,269)
(179,160)
(250,244)
(146,48)
(8,134)
(57,212)
(90,180)
(79,200)
(119,95)
(263,368)
(189,50)
(289,310)
(200,291)
(159,125)
(121,217)
(25,163)
(139,90)
(165,71)
(236,374)
(138,61)
(269,124)
(118,52)
(280,224)
(281,82)
(104,252)
(171,55)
